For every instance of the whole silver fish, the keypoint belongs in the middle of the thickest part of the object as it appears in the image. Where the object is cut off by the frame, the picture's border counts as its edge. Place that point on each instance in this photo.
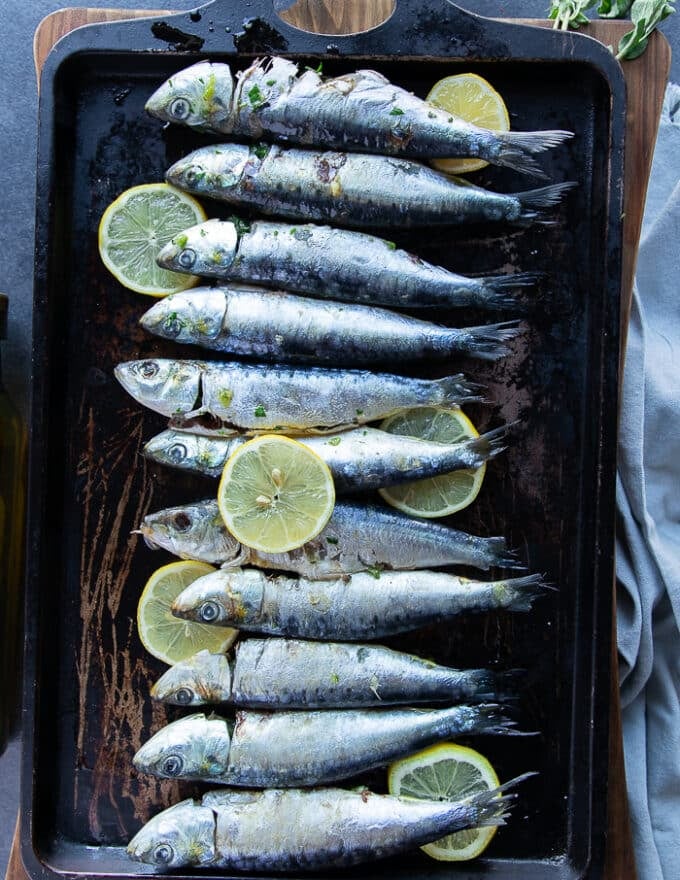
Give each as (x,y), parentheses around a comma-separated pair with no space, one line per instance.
(357,267)
(295,674)
(280,398)
(363,458)
(349,189)
(357,537)
(279,326)
(305,830)
(288,749)
(361,110)
(350,608)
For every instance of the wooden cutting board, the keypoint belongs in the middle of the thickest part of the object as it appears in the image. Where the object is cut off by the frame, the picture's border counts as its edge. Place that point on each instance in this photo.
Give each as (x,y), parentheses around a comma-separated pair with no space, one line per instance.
(645,80)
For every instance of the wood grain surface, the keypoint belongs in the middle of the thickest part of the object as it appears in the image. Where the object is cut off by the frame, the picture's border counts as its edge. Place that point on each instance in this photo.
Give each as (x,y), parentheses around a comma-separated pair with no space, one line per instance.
(645,80)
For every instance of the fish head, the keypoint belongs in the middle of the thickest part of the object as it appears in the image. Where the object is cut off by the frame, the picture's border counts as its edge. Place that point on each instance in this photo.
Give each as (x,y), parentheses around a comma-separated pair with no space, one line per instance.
(195,747)
(166,386)
(191,317)
(228,597)
(192,531)
(203,678)
(182,835)
(199,96)
(205,249)
(210,169)
(186,451)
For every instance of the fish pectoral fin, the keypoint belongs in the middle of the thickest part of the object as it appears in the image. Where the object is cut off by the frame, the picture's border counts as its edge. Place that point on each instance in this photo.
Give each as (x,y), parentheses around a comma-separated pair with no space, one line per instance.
(237,561)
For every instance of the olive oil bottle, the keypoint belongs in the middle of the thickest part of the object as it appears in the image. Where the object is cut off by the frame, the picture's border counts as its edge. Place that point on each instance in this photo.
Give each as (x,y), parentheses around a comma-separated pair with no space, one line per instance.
(12,508)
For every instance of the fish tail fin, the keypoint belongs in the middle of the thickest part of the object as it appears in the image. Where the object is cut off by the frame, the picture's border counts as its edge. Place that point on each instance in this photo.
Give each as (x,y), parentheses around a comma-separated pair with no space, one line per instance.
(533,201)
(486,685)
(490,718)
(485,342)
(497,292)
(523,591)
(488,445)
(492,807)
(498,555)
(518,148)
(455,390)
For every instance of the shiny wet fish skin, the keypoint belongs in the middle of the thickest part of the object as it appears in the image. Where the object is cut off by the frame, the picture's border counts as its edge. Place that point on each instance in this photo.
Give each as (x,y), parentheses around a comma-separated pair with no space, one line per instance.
(356,267)
(350,189)
(286,399)
(349,608)
(296,674)
(298,748)
(362,458)
(360,110)
(234,829)
(279,326)
(357,537)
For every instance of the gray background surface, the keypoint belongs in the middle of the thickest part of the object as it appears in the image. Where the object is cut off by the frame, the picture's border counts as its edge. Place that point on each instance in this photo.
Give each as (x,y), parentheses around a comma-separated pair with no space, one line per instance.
(18,99)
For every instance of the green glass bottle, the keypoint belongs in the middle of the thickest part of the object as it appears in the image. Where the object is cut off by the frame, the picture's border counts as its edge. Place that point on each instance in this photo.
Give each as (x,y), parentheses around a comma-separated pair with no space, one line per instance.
(12,511)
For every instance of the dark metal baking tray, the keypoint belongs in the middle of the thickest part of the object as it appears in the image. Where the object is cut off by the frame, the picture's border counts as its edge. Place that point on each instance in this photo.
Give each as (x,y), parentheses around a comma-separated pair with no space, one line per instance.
(87,677)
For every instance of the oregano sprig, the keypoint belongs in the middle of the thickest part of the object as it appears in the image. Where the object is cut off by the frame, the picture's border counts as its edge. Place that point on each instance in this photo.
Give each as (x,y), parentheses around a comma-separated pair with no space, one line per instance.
(645,16)
(569,13)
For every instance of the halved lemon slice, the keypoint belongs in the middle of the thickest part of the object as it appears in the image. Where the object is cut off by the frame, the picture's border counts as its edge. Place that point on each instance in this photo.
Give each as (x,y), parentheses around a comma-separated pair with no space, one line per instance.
(135,227)
(447,493)
(472,98)
(447,772)
(167,637)
(275,494)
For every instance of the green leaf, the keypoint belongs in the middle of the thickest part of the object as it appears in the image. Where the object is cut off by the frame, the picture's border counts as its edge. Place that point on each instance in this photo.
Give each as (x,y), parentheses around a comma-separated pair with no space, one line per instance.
(614,8)
(569,13)
(645,16)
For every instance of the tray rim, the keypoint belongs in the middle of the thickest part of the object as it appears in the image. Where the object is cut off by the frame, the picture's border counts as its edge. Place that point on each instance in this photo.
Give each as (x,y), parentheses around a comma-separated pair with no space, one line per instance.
(93,38)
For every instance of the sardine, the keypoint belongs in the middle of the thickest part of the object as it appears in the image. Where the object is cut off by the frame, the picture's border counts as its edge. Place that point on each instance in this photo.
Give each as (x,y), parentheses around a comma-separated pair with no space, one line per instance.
(357,111)
(331,263)
(349,189)
(349,608)
(278,326)
(288,749)
(295,674)
(357,537)
(305,830)
(280,398)
(363,458)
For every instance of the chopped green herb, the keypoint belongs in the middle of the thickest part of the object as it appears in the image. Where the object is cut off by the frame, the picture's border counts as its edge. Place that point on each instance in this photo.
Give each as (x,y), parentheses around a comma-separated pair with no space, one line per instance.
(275,233)
(209,90)
(335,678)
(225,395)
(395,111)
(255,97)
(203,233)
(360,412)
(318,69)
(331,540)
(391,245)
(374,571)
(216,257)
(335,441)
(292,230)
(260,412)
(181,240)
(271,82)
(260,150)
(431,115)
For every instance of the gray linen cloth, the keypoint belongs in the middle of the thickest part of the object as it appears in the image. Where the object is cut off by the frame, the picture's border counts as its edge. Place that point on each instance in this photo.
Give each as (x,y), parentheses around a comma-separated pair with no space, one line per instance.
(648,501)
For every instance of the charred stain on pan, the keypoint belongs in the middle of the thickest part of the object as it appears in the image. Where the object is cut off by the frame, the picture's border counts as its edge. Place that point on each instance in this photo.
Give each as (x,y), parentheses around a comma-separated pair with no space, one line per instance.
(259,36)
(179,40)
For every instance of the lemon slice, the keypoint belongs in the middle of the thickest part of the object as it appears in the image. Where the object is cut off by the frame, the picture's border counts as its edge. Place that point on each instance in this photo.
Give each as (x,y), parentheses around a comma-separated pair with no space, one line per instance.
(446,493)
(275,494)
(447,772)
(166,637)
(472,98)
(135,227)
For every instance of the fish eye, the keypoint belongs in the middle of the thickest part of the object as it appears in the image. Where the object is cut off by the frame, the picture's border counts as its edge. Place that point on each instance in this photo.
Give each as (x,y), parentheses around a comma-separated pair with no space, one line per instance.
(182,522)
(177,453)
(180,108)
(163,854)
(209,611)
(148,369)
(186,259)
(184,695)
(172,766)
(172,326)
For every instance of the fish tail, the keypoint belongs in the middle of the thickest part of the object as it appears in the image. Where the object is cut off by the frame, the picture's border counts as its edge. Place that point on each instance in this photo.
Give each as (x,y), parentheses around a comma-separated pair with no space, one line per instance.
(533,201)
(488,445)
(486,685)
(518,148)
(492,807)
(491,718)
(497,292)
(457,389)
(485,342)
(523,591)
(497,554)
